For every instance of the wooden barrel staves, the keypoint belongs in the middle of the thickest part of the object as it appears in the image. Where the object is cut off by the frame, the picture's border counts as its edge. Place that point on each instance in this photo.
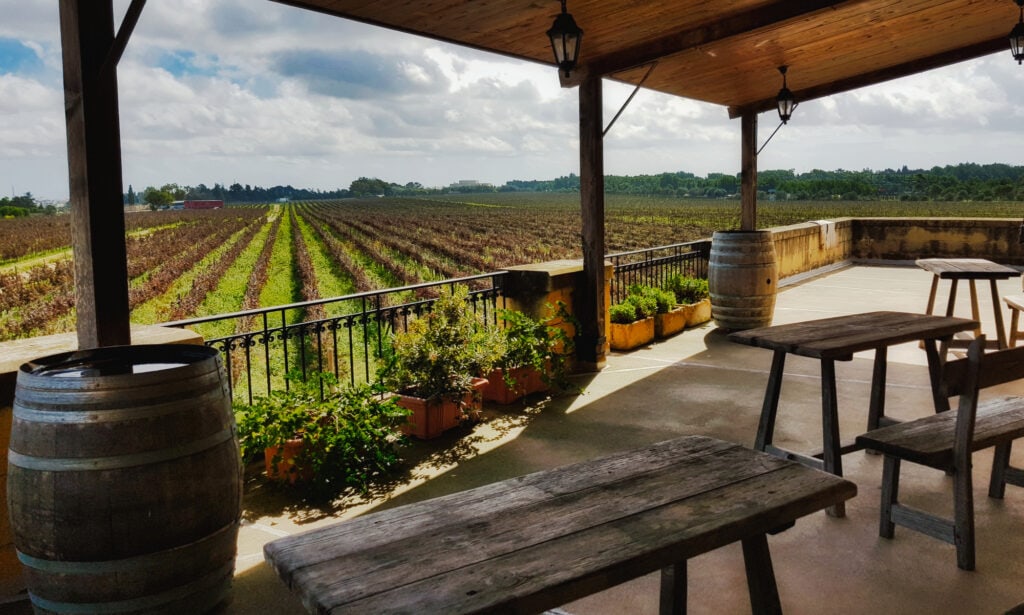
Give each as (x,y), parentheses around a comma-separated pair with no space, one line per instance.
(742,279)
(124,484)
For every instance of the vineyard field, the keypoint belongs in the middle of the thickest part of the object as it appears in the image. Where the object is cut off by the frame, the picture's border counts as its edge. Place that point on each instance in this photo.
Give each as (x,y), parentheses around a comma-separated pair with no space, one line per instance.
(185,264)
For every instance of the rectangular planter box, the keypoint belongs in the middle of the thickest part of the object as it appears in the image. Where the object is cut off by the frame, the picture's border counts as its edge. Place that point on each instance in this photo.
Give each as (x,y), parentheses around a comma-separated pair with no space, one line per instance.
(432,417)
(526,380)
(632,335)
(673,321)
(700,314)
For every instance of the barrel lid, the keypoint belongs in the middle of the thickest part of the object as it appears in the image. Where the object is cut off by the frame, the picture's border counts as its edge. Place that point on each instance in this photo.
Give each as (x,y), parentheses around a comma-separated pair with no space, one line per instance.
(118,360)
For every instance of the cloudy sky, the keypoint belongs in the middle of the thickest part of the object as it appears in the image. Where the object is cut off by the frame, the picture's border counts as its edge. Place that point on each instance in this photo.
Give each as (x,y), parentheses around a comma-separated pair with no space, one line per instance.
(258,93)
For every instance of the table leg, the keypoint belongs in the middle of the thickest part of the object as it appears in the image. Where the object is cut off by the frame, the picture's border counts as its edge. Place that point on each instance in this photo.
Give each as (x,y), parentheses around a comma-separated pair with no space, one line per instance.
(1000,332)
(931,295)
(764,593)
(936,358)
(832,454)
(975,312)
(673,590)
(951,302)
(770,407)
(876,407)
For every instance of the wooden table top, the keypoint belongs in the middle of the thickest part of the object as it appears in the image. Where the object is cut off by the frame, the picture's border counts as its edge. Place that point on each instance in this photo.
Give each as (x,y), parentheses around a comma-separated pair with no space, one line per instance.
(538,541)
(967,269)
(840,337)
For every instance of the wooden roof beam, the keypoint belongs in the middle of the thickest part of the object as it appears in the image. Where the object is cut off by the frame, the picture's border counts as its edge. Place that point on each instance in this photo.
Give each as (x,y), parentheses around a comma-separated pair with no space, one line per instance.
(733,25)
(906,69)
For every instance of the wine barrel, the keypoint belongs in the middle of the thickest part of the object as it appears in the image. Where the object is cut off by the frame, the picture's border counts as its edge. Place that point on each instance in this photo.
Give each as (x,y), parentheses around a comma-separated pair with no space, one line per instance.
(742,279)
(124,480)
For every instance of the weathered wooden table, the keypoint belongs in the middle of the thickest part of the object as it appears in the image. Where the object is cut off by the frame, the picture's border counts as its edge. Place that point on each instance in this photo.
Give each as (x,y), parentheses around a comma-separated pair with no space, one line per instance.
(538,541)
(970,269)
(837,339)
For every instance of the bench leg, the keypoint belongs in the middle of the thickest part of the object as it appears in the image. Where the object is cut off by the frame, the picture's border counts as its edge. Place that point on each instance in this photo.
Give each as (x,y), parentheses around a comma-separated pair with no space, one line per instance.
(963,513)
(1000,461)
(764,594)
(673,589)
(890,495)
(1015,333)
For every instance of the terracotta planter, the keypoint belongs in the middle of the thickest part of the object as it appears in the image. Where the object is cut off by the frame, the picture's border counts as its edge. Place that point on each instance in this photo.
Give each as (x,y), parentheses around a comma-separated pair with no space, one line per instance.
(525,380)
(286,468)
(700,314)
(432,417)
(672,322)
(632,335)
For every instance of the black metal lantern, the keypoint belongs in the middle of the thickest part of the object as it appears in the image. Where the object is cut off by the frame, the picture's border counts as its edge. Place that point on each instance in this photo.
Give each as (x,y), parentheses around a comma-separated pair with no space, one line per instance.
(565,38)
(785,100)
(1017,36)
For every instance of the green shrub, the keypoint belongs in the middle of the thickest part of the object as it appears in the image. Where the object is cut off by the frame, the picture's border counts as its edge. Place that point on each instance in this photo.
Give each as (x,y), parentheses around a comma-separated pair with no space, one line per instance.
(530,342)
(687,289)
(350,434)
(641,302)
(442,351)
(649,300)
(623,313)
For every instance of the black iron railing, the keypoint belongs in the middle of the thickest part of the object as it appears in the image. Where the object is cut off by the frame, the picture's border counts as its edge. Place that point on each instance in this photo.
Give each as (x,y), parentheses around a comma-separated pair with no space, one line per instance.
(346,335)
(654,266)
(261,346)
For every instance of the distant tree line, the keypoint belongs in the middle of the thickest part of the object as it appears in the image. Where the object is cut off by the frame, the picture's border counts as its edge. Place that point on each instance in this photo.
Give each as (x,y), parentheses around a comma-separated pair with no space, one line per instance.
(24,205)
(962,182)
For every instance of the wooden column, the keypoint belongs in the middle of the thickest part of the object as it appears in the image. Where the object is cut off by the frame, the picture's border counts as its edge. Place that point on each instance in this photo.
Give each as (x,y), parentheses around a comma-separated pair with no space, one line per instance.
(94,167)
(748,172)
(591,343)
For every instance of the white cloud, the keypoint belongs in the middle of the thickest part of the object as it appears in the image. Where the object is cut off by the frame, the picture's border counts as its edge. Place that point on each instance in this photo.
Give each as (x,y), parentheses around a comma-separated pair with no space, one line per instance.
(264,94)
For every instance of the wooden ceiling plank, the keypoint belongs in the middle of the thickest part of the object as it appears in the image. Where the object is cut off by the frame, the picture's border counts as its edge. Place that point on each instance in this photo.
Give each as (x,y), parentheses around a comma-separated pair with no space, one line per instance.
(735,76)
(886,74)
(730,26)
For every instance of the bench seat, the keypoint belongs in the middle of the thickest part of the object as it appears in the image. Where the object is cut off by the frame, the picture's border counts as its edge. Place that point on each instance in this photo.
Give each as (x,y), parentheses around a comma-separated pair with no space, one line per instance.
(535,542)
(929,441)
(947,440)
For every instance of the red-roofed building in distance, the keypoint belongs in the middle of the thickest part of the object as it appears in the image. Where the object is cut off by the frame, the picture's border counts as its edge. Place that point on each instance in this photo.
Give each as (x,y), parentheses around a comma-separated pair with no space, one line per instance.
(204,204)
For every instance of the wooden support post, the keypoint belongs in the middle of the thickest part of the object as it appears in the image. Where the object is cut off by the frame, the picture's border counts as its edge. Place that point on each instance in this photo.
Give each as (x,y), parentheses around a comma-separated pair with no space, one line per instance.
(748,172)
(94,169)
(591,344)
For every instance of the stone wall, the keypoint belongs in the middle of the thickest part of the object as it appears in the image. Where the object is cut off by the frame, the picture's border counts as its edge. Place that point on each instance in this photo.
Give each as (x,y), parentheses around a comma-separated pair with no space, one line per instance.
(810,246)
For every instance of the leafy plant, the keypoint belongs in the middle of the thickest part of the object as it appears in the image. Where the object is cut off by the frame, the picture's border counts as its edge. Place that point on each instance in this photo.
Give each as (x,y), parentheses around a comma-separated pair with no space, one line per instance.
(531,342)
(442,350)
(641,302)
(663,300)
(688,289)
(350,435)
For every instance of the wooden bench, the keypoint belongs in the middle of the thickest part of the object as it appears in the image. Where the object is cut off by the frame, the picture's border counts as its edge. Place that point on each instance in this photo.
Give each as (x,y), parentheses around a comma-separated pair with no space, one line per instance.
(539,541)
(946,441)
(1016,304)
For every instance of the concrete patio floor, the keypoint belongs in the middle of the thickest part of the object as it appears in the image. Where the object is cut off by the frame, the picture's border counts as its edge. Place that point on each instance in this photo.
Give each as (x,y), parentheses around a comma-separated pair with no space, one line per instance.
(700,383)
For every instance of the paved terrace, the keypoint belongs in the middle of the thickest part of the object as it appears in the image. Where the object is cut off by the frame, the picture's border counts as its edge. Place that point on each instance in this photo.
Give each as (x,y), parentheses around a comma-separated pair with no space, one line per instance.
(700,383)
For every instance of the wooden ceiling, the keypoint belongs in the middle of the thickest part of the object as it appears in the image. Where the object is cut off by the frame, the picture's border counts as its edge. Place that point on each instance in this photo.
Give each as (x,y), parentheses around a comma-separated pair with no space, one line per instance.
(725,52)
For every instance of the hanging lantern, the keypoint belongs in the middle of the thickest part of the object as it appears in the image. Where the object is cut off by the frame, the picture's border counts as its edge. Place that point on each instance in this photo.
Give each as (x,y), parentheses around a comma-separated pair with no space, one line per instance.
(1017,36)
(565,38)
(785,101)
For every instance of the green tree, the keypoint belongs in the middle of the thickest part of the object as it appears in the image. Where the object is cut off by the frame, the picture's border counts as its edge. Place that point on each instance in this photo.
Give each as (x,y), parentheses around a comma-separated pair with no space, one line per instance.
(365,186)
(157,197)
